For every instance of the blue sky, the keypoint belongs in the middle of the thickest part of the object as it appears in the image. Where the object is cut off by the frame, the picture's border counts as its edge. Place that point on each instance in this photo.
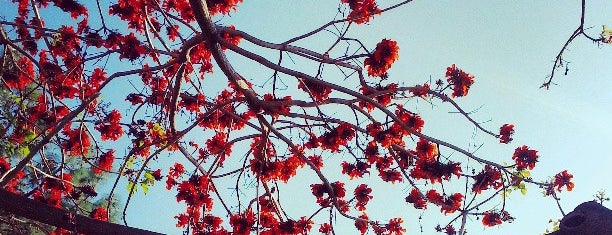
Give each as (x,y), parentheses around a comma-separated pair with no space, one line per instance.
(508,47)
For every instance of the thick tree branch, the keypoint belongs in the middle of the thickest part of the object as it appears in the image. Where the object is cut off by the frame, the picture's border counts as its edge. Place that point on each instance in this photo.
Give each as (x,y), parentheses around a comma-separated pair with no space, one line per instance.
(46,214)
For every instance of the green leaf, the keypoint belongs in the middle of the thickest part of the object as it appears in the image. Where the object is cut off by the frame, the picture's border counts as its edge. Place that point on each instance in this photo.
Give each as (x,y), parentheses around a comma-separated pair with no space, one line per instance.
(130,161)
(148,176)
(29,136)
(524,174)
(23,150)
(131,187)
(145,187)
(522,188)
(524,191)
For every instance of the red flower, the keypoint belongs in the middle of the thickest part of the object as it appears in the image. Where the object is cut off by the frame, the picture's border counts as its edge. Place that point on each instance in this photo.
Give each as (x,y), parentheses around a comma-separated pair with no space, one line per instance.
(416,198)
(563,179)
(242,223)
(380,61)
(435,171)
(78,142)
(157,174)
(217,145)
(362,226)
(325,229)
(421,91)
(412,120)
(105,162)
(99,214)
(221,6)
(362,195)
(4,165)
(460,80)
(362,10)
(447,205)
(505,133)
(234,40)
(319,92)
(355,170)
(380,94)
(338,137)
(111,128)
(488,177)
(426,150)
(390,176)
(395,226)
(525,158)
(491,219)
(130,48)
(182,219)
(192,102)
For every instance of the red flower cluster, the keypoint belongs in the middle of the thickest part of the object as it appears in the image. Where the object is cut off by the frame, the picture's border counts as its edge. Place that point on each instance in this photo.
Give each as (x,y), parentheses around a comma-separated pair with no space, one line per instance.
(448,230)
(395,227)
(447,205)
(492,218)
(362,10)
(221,6)
(563,179)
(505,133)
(416,198)
(488,177)
(133,12)
(319,92)
(180,6)
(525,158)
(217,145)
(175,172)
(357,169)
(426,150)
(195,192)
(410,119)
(242,223)
(421,91)
(24,75)
(225,117)
(380,61)
(362,195)
(54,189)
(99,214)
(435,170)
(319,191)
(362,226)
(111,129)
(234,40)
(325,229)
(390,175)
(105,162)
(78,142)
(5,166)
(192,102)
(460,80)
(130,47)
(276,106)
(340,136)
(382,99)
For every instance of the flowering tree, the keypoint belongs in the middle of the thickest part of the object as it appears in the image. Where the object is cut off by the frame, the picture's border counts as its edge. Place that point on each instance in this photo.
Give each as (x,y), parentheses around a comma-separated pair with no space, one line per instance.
(337,112)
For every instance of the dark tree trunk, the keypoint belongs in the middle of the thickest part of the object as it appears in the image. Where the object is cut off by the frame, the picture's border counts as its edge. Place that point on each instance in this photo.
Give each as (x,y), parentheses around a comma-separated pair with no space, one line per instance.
(46,214)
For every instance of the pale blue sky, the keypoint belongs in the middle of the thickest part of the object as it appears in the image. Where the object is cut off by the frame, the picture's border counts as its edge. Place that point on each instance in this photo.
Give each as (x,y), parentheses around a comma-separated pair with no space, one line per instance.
(509,47)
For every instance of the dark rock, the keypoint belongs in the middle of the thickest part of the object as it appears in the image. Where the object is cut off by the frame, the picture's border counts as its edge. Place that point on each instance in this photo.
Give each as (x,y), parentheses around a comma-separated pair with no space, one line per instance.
(589,218)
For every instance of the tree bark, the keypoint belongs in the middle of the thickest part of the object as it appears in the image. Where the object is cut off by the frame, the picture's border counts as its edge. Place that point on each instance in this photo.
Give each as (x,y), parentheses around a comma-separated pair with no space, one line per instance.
(33,210)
